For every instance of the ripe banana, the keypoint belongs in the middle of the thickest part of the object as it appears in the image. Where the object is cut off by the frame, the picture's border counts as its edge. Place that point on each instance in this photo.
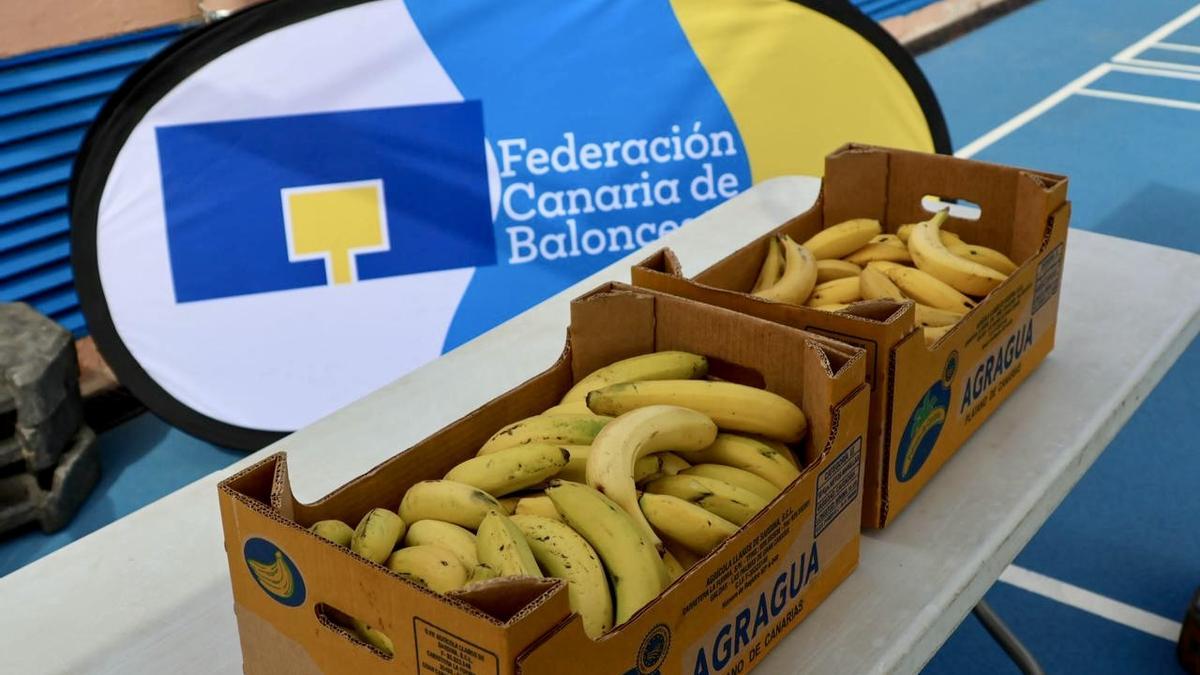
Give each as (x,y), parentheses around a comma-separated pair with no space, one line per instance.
(638,433)
(539,505)
(511,469)
(573,408)
(736,407)
(799,275)
(674,569)
(931,255)
(734,476)
(564,429)
(454,538)
(932,317)
(435,567)
(772,266)
(983,255)
(843,239)
(873,252)
(750,455)
(501,546)
(684,557)
(877,286)
(935,333)
(948,238)
(832,307)
(333,530)
(781,448)
(927,289)
(447,501)
(672,463)
(637,572)
(735,504)
(668,365)
(828,270)
(695,528)
(373,637)
(890,239)
(563,554)
(576,468)
(839,290)
(480,572)
(377,534)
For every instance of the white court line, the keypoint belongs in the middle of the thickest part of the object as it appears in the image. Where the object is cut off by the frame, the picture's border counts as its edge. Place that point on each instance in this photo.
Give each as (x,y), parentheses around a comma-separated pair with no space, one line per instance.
(1092,603)
(1155,72)
(1138,98)
(1165,65)
(1176,47)
(979,144)
(1157,36)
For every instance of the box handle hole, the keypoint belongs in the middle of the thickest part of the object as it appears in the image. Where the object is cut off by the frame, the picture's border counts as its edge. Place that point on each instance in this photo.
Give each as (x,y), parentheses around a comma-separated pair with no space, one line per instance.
(355,631)
(963,209)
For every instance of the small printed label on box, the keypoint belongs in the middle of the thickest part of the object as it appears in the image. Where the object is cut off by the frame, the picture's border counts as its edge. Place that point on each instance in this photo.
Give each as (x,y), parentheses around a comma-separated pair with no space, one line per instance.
(1049,278)
(837,486)
(441,653)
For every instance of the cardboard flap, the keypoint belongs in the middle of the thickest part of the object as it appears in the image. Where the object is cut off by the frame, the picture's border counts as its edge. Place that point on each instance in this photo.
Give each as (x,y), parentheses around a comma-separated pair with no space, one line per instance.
(623,316)
(663,260)
(506,597)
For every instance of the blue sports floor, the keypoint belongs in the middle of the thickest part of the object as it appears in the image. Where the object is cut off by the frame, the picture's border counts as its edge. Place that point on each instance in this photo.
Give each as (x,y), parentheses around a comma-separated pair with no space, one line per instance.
(1123,121)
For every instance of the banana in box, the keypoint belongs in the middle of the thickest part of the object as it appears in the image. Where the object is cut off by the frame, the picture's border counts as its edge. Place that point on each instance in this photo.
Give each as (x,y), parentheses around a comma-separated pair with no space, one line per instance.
(953,312)
(736,512)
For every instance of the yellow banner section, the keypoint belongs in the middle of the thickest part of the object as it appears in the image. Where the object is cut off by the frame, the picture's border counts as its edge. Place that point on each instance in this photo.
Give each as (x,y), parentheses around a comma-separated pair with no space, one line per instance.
(801,84)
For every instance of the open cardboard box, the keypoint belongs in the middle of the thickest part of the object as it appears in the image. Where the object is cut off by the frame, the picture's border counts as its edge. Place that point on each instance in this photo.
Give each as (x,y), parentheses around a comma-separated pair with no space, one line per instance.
(926,401)
(729,609)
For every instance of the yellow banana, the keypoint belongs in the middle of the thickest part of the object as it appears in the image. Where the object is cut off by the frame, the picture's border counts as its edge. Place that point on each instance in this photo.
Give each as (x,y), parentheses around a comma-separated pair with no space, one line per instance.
(373,637)
(877,286)
(480,572)
(447,501)
(684,557)
(928,289)
(668,365)
(889,239)
(437,568)
(576,468)
(539,505)
(948,238)
(377,534)
(637,572)
(674,568)
(511,469)
(634,435)
(735,407)
(735,504)
(828,270)
(832,307)
(750,455)
(563,554)
(843,239)
(672,463)
(879,252)
(501,546)
(335,531)
(772,266)
(578,407)
(935,333)
(842,291)
(983,255)
(509,504)
(931,255)
(693,527)
(454,538)
(799,275)
(782,448)
(735,476)
(564,429)
(932,317)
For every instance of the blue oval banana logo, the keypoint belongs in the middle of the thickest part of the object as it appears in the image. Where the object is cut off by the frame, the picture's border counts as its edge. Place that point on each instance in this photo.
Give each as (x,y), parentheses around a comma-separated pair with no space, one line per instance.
(654,648)
(274,571)
(925,424)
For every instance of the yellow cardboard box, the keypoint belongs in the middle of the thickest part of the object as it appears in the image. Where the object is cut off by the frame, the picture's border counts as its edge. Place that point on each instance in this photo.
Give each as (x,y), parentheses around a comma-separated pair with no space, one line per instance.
(722,616)
(925,401)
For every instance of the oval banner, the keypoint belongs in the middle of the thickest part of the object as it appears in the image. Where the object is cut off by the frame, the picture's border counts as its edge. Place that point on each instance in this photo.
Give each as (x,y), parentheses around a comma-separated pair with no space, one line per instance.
(298,204)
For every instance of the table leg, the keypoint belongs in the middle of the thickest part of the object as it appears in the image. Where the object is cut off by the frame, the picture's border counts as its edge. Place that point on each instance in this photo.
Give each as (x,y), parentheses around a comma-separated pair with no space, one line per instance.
(1008,641)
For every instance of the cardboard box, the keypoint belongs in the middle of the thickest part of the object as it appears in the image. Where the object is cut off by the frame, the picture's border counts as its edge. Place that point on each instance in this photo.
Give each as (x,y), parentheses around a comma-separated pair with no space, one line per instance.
(730,609)
(926,402)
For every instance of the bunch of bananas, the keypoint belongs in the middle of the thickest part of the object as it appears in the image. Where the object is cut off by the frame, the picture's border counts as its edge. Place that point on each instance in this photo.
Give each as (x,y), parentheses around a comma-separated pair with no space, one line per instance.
(855,260)
(595,490)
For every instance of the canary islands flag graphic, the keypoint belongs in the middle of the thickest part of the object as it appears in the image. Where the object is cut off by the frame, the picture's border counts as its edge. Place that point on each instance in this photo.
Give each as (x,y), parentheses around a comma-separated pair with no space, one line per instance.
(279,203)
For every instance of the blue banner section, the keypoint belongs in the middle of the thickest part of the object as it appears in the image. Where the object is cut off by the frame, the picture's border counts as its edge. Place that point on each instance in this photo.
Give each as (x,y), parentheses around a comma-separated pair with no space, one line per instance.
(252,206)
(607,132)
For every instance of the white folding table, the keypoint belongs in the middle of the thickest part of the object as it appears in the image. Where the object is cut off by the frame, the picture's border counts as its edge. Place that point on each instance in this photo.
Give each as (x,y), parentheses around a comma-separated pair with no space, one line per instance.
(150,593)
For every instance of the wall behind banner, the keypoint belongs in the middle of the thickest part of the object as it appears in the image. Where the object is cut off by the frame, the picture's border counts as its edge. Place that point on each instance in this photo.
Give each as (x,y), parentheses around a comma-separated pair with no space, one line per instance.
(602,126)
